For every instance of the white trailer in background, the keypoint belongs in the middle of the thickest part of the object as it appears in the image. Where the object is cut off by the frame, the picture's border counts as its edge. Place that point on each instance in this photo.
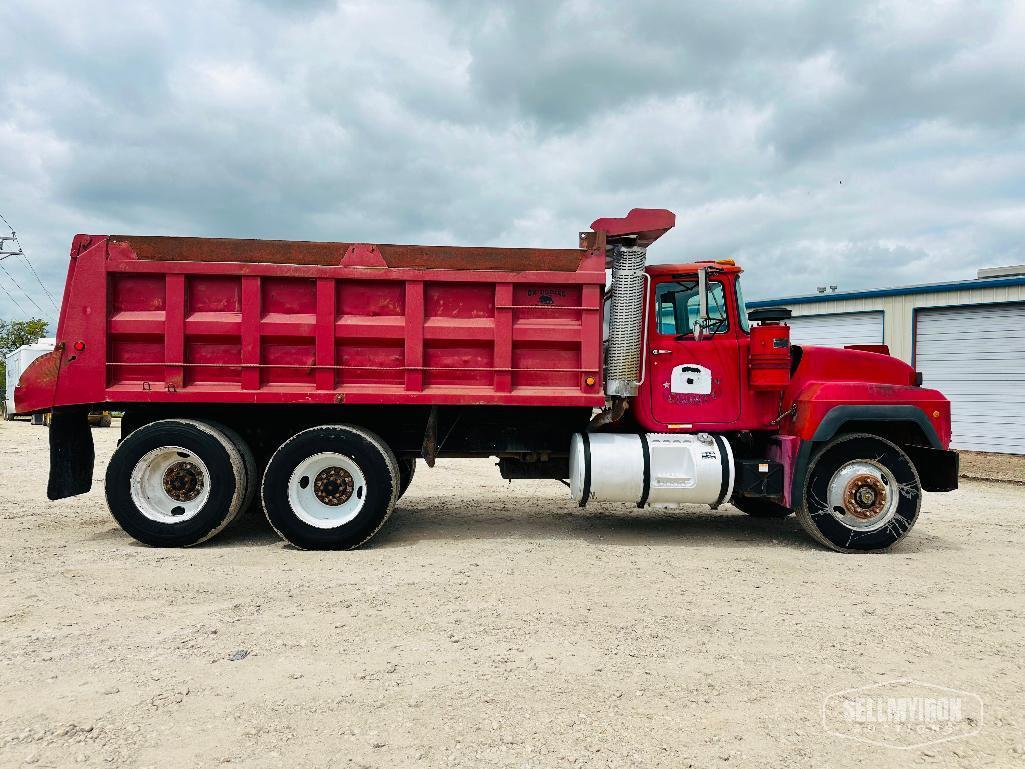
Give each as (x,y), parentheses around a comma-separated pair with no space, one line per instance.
(17,362)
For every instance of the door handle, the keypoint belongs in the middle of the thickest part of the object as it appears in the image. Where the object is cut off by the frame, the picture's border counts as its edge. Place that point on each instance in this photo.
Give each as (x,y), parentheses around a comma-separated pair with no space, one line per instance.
(660,352)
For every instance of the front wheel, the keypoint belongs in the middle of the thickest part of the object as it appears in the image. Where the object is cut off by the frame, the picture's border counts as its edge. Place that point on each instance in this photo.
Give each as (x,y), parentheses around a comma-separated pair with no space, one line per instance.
(330,487)
(862,493)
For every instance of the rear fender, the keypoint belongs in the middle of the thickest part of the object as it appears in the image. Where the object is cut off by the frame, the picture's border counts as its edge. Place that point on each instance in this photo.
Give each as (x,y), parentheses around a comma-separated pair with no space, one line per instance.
(37,387)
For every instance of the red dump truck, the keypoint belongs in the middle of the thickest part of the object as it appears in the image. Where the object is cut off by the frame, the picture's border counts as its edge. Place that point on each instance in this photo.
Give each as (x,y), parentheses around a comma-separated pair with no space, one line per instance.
(317,374)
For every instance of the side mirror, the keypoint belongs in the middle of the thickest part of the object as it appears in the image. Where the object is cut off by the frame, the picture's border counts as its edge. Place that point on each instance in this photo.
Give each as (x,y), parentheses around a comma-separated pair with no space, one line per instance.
(702,320)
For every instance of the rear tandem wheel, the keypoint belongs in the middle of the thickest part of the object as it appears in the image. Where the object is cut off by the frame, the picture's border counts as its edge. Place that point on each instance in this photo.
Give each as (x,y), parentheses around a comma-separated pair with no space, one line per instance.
(176,482)
(407,469)
(330,487)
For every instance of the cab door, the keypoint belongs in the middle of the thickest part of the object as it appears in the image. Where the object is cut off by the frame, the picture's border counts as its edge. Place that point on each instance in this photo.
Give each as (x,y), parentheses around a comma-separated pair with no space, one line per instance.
(692,382)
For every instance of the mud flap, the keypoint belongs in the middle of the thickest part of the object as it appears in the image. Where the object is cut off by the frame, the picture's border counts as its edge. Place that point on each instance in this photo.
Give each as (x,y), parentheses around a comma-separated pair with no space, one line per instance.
(71,453)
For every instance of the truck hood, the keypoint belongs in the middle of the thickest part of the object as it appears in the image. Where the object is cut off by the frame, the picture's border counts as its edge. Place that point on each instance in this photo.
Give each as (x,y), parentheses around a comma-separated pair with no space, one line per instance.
(826,378)
(837,365)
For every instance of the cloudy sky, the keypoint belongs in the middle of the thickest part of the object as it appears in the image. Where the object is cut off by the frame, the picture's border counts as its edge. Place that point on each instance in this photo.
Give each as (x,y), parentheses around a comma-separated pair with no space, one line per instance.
(860,144)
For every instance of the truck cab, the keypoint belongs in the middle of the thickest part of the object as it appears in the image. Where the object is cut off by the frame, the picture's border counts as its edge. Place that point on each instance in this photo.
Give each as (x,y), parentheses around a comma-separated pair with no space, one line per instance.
(846,438)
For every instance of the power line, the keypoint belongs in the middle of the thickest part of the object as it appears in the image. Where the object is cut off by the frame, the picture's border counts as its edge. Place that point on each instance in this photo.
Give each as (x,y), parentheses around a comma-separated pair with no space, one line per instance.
(16,302)
(21,252)
(18,285)
(32,269)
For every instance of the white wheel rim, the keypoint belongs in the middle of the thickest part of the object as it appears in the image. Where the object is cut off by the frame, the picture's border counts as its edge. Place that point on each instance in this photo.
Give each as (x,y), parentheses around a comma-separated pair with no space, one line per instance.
(327,490)
(170,484)
(863,495)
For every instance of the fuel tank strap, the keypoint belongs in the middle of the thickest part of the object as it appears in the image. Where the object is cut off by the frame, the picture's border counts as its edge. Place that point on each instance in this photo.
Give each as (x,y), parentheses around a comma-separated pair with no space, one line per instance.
(646,484)
(586,491)
(725,462)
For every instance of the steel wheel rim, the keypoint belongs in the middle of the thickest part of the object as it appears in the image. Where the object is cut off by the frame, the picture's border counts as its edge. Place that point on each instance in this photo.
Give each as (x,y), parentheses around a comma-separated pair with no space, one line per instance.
(170,484)
(327,490)
(863,495)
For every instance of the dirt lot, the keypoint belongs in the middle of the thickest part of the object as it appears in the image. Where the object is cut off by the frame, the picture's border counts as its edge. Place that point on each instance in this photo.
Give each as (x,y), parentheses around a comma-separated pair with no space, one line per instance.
(491,625)
(993,467)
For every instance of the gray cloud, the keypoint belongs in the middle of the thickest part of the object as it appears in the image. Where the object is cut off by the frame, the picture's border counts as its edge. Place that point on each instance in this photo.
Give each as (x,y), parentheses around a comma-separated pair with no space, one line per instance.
(848,143)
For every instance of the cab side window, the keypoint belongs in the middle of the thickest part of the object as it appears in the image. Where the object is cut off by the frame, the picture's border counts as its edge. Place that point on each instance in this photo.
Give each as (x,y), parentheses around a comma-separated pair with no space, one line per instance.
(678,306)
(673,300)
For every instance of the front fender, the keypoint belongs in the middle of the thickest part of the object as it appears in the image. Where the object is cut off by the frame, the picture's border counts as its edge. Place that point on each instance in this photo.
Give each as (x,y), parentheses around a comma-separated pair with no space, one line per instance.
(822,408)
(838,416)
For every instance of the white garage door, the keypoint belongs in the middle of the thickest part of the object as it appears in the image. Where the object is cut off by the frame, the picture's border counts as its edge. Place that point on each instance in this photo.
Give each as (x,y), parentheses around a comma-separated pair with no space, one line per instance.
(976,357)
(837,330)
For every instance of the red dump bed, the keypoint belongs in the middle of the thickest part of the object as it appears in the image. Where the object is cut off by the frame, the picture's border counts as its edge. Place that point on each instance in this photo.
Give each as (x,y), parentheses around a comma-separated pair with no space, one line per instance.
(152,319)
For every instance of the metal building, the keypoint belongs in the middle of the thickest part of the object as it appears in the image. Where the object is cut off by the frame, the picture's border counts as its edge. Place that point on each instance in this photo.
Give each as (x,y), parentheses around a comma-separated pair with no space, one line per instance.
(966,337)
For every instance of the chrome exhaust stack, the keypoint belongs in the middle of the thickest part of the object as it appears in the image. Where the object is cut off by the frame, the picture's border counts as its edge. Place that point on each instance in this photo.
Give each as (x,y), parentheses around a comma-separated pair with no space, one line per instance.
(626,320)
(626,243)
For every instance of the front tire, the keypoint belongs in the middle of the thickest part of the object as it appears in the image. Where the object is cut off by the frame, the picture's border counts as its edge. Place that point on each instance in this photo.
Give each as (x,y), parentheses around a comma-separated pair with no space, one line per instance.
(175,483)
(330,487)
(862,493)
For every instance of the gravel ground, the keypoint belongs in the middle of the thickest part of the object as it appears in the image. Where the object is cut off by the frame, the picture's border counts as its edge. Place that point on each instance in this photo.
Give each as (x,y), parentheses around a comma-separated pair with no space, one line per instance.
(993,467)
(491,625)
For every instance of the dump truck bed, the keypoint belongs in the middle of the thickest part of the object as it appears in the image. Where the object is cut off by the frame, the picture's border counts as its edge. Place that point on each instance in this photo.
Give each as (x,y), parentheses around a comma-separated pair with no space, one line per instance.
(163,319)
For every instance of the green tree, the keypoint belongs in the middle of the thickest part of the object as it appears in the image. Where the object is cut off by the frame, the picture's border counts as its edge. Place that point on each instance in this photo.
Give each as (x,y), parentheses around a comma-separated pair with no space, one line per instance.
(14,334)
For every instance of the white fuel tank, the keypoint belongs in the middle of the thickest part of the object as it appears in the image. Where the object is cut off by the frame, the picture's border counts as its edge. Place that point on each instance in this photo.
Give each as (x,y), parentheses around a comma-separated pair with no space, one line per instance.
(651,468)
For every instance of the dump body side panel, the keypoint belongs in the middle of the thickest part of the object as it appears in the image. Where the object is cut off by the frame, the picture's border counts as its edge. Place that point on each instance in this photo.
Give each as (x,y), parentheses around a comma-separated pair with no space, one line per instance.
(178,320)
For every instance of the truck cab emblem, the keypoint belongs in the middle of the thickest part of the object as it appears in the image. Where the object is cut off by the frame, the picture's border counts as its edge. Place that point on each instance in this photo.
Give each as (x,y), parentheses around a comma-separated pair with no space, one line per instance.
(691,379)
